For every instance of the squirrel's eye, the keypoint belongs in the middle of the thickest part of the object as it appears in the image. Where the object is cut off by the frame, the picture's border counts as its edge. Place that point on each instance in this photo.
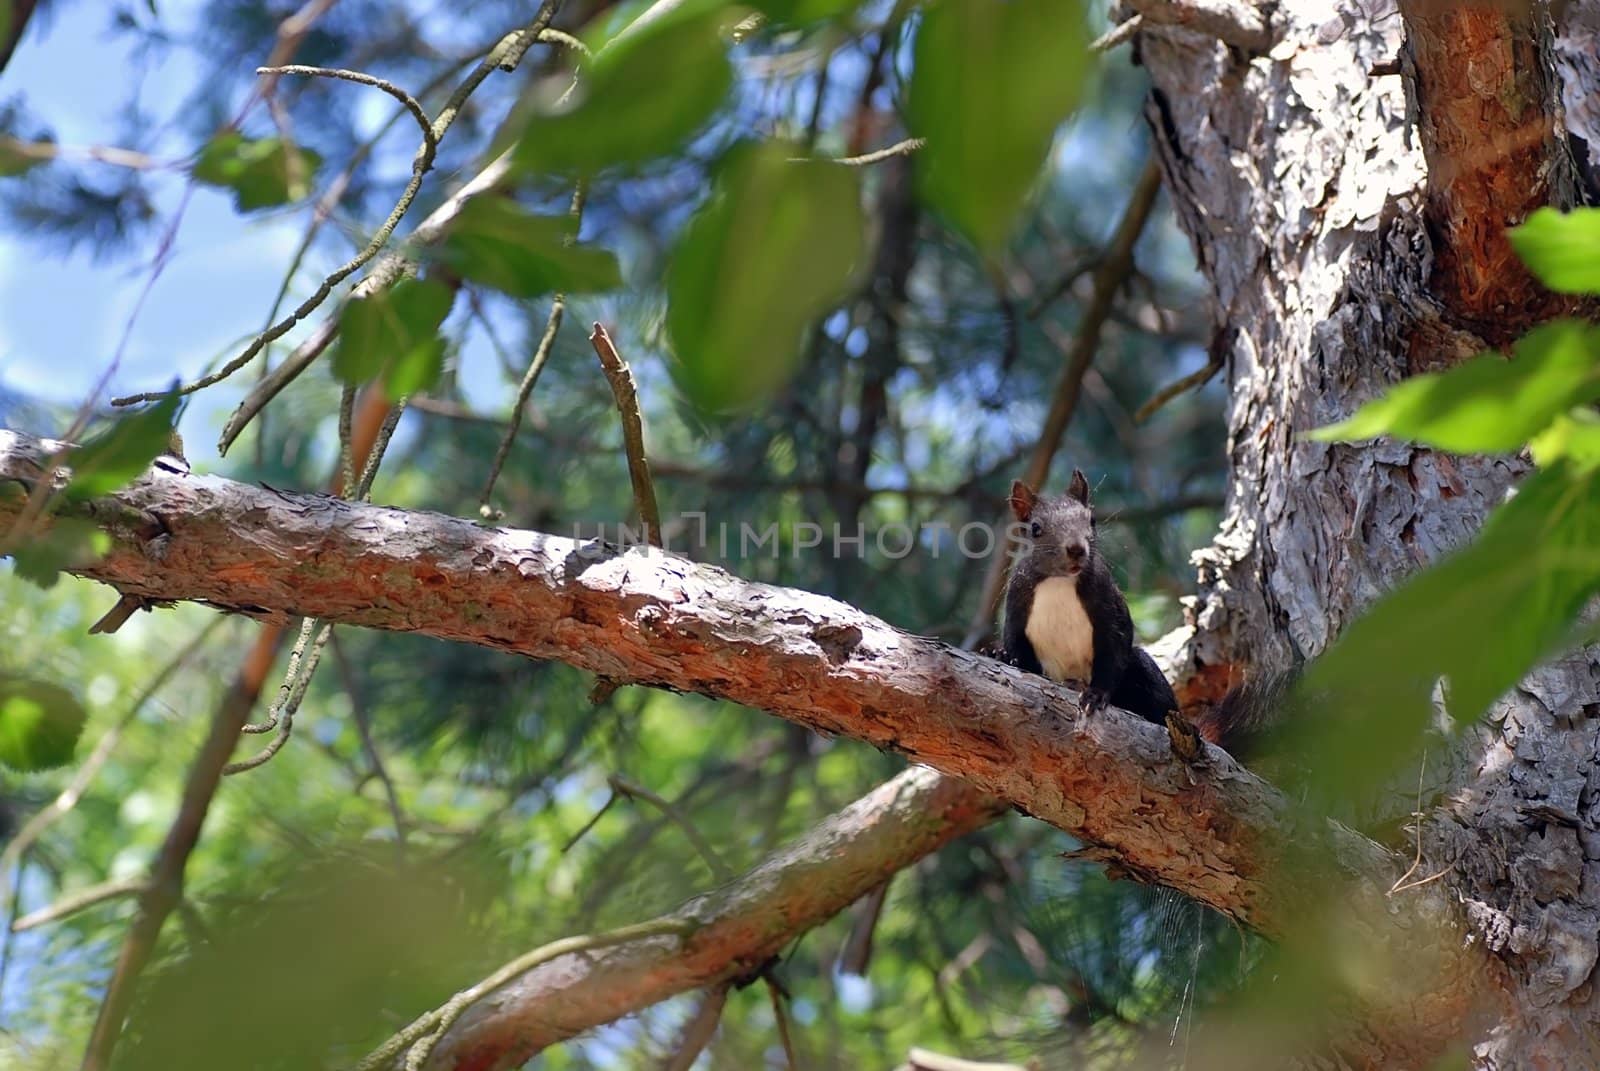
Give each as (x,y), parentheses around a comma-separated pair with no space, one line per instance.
(1036,529)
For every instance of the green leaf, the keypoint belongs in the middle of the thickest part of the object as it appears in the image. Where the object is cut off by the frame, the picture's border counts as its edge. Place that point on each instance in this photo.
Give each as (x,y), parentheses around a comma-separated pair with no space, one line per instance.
(992,81)
(641,96)
(121,453)
(802,12)
(1487,404)
(1480,619)
(39,724)
(776,246)
(261,172)
(14,159)
(1573,436)
(394,334)
(497,243)
(1563,249)
(70,542)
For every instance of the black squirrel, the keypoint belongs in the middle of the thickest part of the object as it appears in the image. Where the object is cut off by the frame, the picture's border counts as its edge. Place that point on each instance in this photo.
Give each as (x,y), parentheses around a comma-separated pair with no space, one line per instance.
(1065,617)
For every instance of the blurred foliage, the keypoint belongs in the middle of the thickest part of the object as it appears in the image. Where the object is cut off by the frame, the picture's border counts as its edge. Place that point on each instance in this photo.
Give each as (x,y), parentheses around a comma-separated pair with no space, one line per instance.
(902,375)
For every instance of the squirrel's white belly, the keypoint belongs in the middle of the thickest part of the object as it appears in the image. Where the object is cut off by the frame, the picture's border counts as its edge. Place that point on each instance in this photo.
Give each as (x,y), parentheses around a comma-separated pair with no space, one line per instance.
(1059,629)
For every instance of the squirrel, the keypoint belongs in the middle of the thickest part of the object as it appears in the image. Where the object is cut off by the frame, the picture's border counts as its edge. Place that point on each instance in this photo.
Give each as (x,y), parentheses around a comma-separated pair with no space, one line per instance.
(1066,618)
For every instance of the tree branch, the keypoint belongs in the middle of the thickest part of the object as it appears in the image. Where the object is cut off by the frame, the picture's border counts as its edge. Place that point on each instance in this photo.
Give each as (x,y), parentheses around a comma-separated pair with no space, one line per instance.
(652,618)
(725,934)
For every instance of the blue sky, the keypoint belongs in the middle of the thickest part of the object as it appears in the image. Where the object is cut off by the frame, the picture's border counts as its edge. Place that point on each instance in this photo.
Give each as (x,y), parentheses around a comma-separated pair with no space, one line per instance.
(63,317)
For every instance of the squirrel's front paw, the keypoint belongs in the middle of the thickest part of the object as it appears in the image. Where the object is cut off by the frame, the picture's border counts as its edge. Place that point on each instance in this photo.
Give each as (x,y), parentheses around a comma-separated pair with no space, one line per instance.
(1095,700)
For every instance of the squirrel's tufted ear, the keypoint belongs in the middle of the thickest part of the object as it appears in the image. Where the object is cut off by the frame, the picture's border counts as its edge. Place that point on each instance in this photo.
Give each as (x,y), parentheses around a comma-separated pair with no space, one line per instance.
(1079,487)
(1022,500)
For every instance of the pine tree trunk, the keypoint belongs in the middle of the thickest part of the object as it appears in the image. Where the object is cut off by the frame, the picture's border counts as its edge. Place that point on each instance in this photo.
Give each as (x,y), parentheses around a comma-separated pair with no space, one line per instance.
(1347,197)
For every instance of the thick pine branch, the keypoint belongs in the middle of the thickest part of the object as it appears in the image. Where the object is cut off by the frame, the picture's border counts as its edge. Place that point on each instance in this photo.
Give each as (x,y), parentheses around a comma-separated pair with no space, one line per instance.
(724,936)
(646,617)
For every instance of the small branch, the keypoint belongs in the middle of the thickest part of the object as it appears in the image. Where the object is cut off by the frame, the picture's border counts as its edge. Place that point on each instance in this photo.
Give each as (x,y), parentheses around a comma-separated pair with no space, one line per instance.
(541,355)
(697,1033)
(781,1017)
(899,148)
(1193,381)
(80,901)
(626,392)
(165,886)
(623,787)
(296,679)
(857,953)
(104,154)
(430,140)
(591,823)
(501,53)
(1117,34)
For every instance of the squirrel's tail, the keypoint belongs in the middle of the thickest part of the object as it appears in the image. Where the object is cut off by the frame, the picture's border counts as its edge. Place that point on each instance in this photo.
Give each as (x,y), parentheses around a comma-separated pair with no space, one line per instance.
(1243,720)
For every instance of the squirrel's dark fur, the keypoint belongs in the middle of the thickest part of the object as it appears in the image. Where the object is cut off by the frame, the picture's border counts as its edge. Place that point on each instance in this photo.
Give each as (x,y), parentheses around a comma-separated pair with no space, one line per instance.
(1079,629)
(1243,720)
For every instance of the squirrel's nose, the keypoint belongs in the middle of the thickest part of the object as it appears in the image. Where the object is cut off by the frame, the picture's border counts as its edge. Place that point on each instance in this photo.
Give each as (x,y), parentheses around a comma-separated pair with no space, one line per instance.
(1076,551)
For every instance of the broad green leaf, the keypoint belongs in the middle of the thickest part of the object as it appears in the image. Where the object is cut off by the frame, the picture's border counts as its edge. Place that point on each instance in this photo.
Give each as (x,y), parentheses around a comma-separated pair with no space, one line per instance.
(1573,436)
(14,159)
(332,937)
(802,12)
(497,243)
(1480,619)
(642,95)
(260,172)
(70,541)
(39,724)
(992,81)
(122,452)
(1487,404)
(394,334)
(1563,249)
(776,246)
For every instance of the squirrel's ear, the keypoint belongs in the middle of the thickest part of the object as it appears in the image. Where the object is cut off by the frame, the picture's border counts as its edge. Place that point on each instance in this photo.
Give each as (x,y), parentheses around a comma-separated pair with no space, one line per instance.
(1022,500)
(1079,487)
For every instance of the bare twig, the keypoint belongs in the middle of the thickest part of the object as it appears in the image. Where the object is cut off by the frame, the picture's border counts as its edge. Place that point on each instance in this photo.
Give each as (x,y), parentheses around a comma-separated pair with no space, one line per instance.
(509,50)
(1117,34)
(165,886)
(626,392)
(1115,267)
(430,140)
(1180,386)
(105,154)
(583,830)
(781,1016)
(899,148)
(698,1031)
(541,355)
(82,900)
(623,787)
(296,679)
